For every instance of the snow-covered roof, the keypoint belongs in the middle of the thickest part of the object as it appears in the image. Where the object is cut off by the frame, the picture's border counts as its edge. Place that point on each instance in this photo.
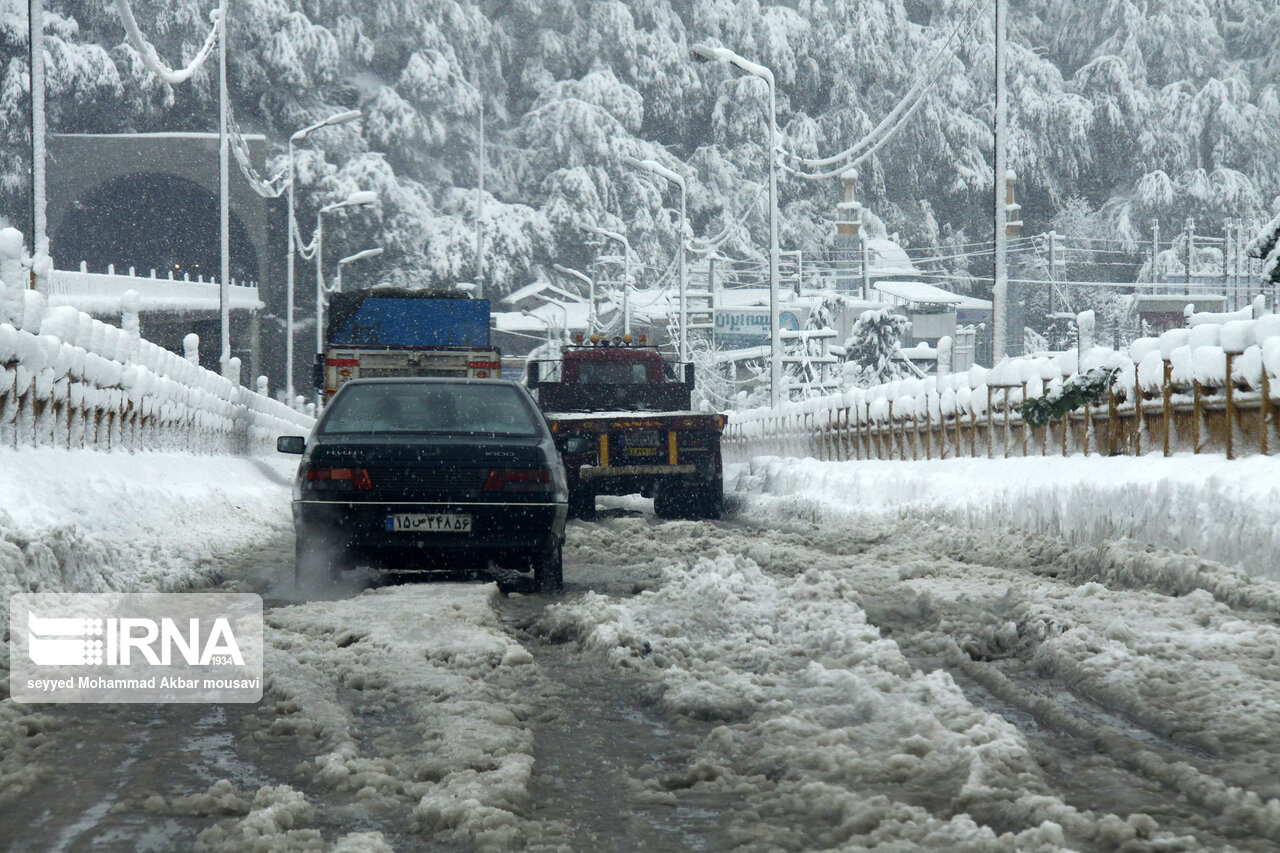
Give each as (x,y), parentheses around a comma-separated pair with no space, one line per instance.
(1177,301)
(888,258)
(541,289)
(973,303)
(545,316)
(918,291)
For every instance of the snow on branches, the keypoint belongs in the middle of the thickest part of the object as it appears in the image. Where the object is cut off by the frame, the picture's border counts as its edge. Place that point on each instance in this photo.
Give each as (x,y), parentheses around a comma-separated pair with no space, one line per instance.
(873,345)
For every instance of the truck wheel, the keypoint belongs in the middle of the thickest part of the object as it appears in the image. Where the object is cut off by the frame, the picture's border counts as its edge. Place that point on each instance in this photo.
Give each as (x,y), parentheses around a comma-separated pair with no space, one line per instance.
(582,505)
(681,500)
(710,501)
(669,503)
(548,571)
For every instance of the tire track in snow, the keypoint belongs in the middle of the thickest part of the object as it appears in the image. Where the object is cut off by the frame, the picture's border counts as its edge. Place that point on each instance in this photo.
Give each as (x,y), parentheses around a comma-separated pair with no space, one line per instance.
(1151,750)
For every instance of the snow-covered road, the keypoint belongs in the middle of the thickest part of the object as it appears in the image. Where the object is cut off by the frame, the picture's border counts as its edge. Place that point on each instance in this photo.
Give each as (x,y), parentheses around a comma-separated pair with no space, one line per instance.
(769,682)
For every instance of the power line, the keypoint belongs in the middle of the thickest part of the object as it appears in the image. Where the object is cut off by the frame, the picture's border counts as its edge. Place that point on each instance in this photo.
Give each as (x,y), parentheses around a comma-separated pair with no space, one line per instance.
(910,98)
(889,134)
(147,51)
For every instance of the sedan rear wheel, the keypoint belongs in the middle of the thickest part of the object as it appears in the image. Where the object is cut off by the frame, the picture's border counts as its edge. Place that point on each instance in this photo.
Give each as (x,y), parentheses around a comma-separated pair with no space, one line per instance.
(548,571)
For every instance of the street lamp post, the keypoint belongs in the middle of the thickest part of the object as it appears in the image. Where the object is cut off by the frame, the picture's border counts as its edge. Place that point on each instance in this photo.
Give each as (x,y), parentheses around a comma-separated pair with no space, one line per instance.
(626,273)
(728,57)
(224,197)
(292,227)
(358,256)
(357,198)
(661,171)
(591,291)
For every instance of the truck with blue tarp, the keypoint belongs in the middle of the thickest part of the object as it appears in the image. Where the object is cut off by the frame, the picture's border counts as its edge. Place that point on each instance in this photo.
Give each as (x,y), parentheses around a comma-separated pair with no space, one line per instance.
(386,331)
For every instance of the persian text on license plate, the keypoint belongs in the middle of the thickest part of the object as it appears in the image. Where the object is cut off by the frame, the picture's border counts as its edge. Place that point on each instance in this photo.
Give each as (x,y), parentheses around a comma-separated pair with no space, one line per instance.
(411,522)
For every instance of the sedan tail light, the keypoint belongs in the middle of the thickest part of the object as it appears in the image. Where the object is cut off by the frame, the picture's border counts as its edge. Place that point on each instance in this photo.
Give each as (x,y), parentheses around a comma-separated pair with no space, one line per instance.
(339,478)
(519,480)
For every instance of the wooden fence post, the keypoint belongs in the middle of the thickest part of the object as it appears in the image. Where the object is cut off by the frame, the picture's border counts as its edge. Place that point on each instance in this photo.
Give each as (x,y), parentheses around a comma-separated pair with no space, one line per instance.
(1088,426)
(990,428)
(889,426)
(1113,423)
(1026,430)
(1168,406)
(1197,408)
(928,429)
(1231,408)
(1264,411)
(1006,422)
(1139,422)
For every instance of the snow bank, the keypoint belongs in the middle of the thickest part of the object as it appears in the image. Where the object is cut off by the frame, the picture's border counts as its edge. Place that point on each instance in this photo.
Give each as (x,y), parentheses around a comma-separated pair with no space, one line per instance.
(81,521)
(1226,511)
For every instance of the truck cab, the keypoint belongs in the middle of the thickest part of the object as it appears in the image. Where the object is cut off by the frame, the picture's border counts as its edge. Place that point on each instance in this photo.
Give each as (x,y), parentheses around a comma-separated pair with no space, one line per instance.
(623,420)
(615,378)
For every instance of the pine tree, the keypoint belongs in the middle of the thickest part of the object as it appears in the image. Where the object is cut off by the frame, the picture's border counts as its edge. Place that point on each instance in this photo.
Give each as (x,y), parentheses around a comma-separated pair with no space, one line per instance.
(1266,247)
(873,345)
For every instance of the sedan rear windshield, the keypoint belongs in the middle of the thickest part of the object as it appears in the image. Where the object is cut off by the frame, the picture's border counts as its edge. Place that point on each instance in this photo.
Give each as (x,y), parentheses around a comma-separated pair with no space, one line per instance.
(445,408)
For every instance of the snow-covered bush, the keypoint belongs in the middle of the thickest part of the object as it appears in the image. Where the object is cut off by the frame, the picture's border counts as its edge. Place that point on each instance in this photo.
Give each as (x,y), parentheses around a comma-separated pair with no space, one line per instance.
(873,347)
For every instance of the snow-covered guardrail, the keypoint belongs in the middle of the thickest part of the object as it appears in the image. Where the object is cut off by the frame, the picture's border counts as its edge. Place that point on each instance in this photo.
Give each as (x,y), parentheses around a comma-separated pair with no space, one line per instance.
(1205,388)
(68,380)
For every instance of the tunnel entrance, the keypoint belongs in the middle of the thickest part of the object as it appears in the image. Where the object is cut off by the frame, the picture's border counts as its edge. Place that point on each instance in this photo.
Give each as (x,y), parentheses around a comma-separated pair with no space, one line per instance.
(151,221)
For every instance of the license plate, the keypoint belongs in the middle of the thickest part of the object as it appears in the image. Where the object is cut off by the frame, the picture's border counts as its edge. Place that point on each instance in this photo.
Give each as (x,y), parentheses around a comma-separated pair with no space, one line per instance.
(643,438)
(408,522)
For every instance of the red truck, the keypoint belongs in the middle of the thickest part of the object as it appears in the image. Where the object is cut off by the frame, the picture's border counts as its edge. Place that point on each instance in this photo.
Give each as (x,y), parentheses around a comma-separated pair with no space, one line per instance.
(621,416)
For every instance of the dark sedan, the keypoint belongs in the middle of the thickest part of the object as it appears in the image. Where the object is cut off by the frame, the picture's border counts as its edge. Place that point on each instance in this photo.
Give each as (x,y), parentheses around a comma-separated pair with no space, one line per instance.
(428,474)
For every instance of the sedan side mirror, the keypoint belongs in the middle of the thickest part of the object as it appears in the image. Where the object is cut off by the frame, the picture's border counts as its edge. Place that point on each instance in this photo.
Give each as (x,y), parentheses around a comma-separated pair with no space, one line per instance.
(291,444)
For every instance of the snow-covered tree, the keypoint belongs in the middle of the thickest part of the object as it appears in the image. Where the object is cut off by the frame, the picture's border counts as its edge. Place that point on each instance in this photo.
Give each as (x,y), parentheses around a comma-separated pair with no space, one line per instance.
(1143,110)
(873,343)
(1266,247)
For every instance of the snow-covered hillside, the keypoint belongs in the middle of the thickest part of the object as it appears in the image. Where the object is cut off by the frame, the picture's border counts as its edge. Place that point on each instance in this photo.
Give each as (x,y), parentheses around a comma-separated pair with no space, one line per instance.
(1145,111)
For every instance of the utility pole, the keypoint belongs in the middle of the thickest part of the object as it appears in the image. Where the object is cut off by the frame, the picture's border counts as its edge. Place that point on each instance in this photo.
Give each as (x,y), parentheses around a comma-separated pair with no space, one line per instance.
(1232,296)
(1191,239)
(1155,250)
(1053,266)
(224,194)
(864,253)
(39,225)
(1000,287)
(480,207)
